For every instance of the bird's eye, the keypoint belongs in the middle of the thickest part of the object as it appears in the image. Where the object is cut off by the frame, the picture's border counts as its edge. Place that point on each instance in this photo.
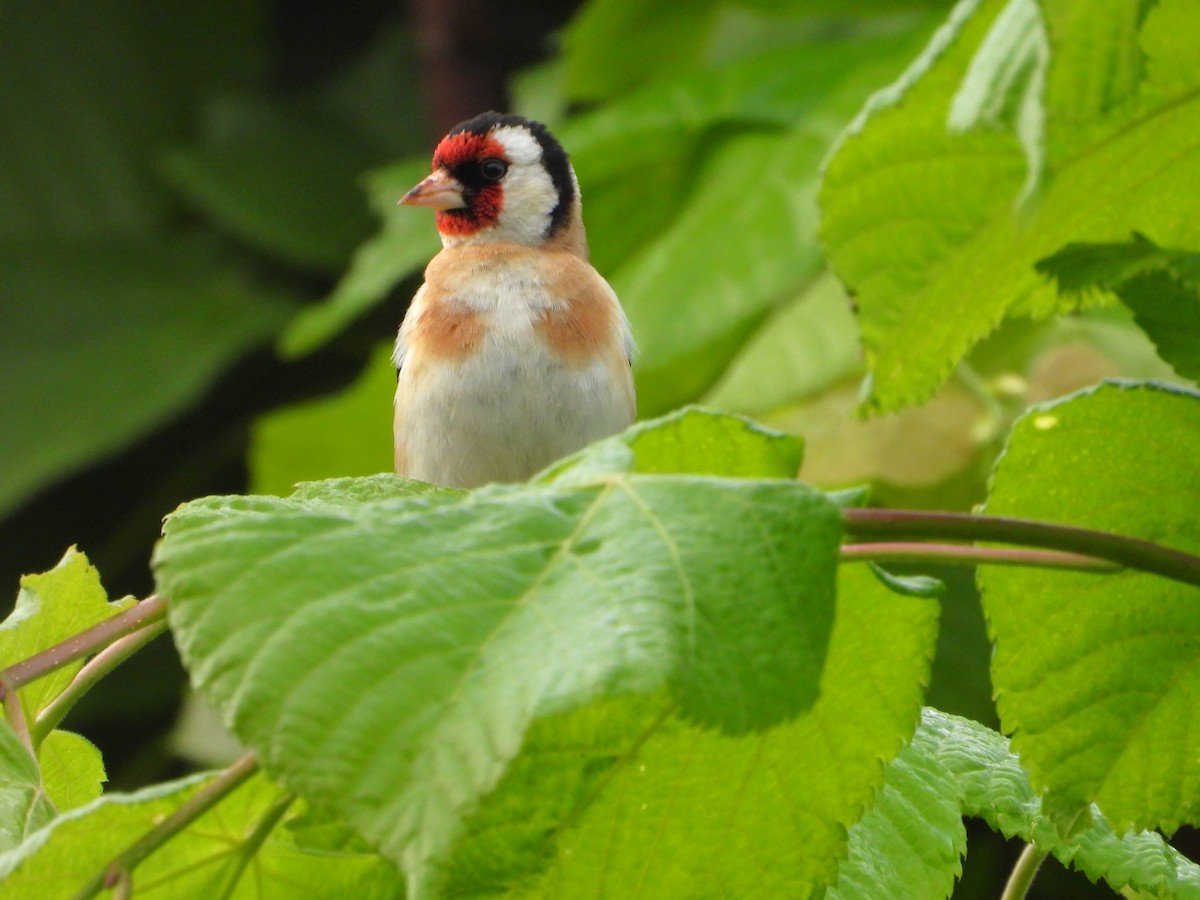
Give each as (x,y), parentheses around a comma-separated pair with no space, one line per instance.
(493,169)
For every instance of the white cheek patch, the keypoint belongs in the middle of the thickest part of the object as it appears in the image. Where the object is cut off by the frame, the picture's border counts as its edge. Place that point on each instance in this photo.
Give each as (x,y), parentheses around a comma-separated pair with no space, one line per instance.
(529,192)
(520,146)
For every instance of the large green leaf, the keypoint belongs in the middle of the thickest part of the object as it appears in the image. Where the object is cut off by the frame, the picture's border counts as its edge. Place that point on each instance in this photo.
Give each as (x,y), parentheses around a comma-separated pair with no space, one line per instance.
(936,208)
(216,856)
(113,338)
(51,607)
(1096,675)
(994,787)
(673,811)
(728,258)
(476,614)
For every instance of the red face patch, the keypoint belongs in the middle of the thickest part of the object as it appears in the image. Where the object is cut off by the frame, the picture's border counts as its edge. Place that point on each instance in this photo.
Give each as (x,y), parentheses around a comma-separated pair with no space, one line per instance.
(464,147)
(485,209)
(483,212)
(454,152)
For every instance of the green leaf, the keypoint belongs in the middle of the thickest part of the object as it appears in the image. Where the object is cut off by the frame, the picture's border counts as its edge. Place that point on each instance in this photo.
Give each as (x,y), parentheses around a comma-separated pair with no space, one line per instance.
(280,177)
(407,241)
(667,810)
(1095,676)
(80,145)
(725,262)
(1167,308)
(1097,70)
(648,37)
(886,232)
(473,618)
(977,764)
(347,434)
(118,336)
(72,770)
(779,87)
(50,608)
(1079,268)
(911,841)
(803,349)
(23,804)
(1161,287)
(335,493)
(205,860)
(1112,165)
(734,251)
(690,441)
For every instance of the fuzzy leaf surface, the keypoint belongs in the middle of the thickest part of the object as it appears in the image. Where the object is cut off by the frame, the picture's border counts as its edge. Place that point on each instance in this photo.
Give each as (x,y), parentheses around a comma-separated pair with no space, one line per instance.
(1116,723)
(653,807)
(928,209)
(386,656)
(910,843)
(994,787)
(689,441)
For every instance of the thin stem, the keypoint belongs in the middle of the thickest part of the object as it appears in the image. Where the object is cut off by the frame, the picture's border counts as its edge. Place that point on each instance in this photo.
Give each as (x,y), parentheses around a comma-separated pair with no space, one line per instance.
(254,841)
(966,555)
(119,870)
(88,641)
(15,714)
(97,667)
(1127,551)
(1023,873)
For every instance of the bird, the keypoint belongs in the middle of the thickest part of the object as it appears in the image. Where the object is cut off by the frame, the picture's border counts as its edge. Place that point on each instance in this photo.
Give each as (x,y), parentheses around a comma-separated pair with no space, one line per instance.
(515,351)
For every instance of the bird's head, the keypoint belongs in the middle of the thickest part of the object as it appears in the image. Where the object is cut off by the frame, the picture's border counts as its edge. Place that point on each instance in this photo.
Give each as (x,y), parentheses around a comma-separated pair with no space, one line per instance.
(501,178)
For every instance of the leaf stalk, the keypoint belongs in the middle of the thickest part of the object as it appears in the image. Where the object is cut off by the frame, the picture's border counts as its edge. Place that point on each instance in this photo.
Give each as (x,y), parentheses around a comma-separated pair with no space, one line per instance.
(1134,553)
(118,873)
(87,642)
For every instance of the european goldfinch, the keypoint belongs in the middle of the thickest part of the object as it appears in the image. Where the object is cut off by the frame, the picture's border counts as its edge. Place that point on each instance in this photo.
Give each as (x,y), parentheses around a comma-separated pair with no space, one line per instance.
(515,351)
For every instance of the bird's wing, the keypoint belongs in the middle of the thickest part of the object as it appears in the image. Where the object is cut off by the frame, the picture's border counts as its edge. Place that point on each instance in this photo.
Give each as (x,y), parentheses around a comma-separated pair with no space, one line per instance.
(588,322)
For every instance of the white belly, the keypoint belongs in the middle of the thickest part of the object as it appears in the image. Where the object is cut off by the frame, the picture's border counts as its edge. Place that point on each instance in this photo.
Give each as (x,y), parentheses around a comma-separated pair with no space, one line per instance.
(505,413)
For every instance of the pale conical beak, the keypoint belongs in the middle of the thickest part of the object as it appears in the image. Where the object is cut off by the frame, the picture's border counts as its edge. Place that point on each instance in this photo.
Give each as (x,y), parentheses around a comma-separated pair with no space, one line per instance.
(439,191)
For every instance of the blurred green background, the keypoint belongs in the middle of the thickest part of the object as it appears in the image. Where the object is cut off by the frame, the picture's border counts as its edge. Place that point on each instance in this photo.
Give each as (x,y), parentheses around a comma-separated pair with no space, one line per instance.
(202,267)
